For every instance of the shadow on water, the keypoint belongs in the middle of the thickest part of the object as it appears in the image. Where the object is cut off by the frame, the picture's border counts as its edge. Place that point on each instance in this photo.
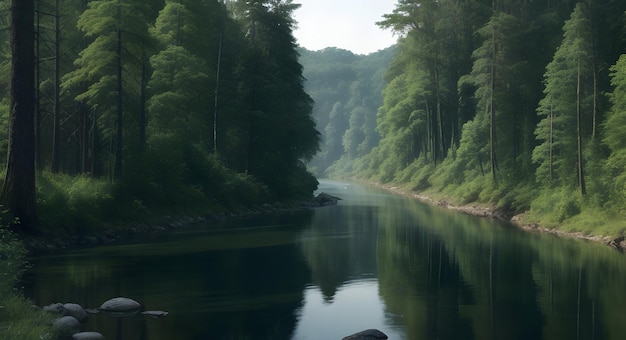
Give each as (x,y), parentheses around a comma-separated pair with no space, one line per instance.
(375,260)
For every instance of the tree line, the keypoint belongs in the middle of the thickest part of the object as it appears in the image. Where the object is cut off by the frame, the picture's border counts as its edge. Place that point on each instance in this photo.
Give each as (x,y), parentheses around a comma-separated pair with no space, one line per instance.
(157,95)
(347,90)
(517,103)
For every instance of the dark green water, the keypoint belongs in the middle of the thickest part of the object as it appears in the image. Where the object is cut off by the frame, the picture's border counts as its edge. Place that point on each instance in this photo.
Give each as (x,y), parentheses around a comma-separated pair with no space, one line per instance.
(373,261)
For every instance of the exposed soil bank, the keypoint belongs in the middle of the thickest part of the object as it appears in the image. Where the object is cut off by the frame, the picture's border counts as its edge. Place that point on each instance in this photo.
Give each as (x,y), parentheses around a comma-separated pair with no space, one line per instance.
(490,212)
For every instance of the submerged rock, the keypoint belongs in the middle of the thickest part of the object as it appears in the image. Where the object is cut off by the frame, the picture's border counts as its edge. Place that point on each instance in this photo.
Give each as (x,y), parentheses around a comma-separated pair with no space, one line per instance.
(368,334)
(66,326)
(88,336)
(155,314)
(120,306)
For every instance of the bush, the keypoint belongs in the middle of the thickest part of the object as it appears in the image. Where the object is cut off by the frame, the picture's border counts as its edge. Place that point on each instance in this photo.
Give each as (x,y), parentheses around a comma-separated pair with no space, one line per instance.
(69,204)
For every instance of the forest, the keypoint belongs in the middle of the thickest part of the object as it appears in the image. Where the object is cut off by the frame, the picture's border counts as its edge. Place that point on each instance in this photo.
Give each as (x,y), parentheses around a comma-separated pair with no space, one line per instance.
(516,104)
(160,105)
(347,91)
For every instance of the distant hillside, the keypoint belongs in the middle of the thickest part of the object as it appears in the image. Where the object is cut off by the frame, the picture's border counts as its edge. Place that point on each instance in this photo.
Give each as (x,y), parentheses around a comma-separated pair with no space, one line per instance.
(347,90)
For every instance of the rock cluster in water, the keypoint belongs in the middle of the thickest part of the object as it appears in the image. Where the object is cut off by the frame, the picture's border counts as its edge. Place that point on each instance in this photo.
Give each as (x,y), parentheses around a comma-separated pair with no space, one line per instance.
(73,316)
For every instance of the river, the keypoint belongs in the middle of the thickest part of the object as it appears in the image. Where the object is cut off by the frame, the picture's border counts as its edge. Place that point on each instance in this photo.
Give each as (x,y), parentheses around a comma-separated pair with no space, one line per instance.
(375,260)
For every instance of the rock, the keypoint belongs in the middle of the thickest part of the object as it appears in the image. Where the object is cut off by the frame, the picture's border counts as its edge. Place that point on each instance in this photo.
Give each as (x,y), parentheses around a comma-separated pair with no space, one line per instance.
(120,306)
(88,336)
(155,314)
(54,308)
(66,326)
(368,334)
(324,199)
(75,310)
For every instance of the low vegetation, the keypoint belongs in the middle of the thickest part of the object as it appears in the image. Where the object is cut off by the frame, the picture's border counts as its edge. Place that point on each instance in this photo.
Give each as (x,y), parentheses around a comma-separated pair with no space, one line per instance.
(18,318)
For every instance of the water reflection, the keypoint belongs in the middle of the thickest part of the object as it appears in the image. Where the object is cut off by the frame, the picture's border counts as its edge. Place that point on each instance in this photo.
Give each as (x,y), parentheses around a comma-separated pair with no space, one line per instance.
(374,261)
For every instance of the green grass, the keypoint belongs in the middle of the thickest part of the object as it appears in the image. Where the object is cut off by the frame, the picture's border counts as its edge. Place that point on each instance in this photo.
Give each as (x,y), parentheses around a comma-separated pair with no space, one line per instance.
(18,318)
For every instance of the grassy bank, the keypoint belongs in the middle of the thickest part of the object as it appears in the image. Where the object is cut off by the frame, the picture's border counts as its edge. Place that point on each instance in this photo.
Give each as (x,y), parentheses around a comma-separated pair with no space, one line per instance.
(561,212)
(18,318)
(83,205)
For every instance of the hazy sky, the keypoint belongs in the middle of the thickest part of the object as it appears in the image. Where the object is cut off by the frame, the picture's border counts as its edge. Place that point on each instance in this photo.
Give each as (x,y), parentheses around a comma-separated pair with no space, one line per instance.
(347,24)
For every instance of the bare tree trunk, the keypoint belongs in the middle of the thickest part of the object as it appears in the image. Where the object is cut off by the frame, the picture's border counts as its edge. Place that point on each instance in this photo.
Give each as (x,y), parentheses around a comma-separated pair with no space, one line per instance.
(492,132)
(117,170)
(56,129)
(142,103)
(18,192)
(581,175)
(551,138)
(38,162)
(217,86)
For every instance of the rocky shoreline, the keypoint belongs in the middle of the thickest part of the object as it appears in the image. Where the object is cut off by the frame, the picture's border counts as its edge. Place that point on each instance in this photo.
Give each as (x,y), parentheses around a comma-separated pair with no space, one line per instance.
(113,233)
(618,243)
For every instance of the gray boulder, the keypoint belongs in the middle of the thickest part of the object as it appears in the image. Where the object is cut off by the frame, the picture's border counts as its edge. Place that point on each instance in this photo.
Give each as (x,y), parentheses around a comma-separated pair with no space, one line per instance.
(54,308)
(120,306)
(88,336)
(66,326)
(75,310)
(368,334)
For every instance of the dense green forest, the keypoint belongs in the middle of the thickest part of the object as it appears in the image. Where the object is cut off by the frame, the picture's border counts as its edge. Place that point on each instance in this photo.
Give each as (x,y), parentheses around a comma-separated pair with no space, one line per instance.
(152,105)
(517,104)
(347,90)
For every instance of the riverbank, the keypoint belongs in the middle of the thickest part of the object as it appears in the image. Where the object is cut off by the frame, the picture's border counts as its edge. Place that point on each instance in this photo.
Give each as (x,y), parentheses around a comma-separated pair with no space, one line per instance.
(518,220)
(152,224)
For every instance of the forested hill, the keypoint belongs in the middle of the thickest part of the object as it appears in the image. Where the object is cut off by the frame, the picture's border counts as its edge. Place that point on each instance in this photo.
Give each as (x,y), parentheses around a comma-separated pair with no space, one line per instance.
(347,90)
(519,104)
(151,105)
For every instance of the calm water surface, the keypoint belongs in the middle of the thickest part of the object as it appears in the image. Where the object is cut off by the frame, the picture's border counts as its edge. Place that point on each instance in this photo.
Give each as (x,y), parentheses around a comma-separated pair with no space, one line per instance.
(373,261)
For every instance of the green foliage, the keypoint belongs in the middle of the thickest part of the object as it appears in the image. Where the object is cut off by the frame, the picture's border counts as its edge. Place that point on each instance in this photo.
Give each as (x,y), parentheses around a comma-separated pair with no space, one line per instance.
(74,204)
(553,207)
(347,91)
(486,102)
(18,318)
(572,65)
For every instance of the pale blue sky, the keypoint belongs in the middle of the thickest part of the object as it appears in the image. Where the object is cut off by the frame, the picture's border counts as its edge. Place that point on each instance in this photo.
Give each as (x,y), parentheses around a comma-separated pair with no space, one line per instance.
(347,24)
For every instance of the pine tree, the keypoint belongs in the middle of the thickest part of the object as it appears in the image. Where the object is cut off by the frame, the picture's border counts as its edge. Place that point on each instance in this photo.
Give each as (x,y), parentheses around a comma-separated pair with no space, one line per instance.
(567,106)
(280,134)
(119,48)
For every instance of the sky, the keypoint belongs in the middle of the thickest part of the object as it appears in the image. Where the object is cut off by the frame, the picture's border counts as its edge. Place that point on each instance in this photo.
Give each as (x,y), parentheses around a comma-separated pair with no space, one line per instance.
(346,24)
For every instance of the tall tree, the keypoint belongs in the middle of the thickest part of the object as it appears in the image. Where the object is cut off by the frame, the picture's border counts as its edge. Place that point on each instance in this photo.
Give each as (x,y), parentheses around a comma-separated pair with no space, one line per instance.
(114,62)
(18,192)
(615,132)
(567,106)
(280,134)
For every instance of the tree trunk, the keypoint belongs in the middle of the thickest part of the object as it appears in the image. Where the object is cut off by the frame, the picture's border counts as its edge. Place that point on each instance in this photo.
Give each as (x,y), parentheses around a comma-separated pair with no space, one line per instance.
(142,103)
(117,170)
(38,158)
(217,87)
(18,192)
(581,175)
(492,132)
(551,140)
(56,129)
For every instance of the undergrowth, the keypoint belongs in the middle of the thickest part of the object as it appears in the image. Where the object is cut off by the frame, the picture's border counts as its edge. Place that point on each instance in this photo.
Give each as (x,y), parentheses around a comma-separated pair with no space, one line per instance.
(18,318)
